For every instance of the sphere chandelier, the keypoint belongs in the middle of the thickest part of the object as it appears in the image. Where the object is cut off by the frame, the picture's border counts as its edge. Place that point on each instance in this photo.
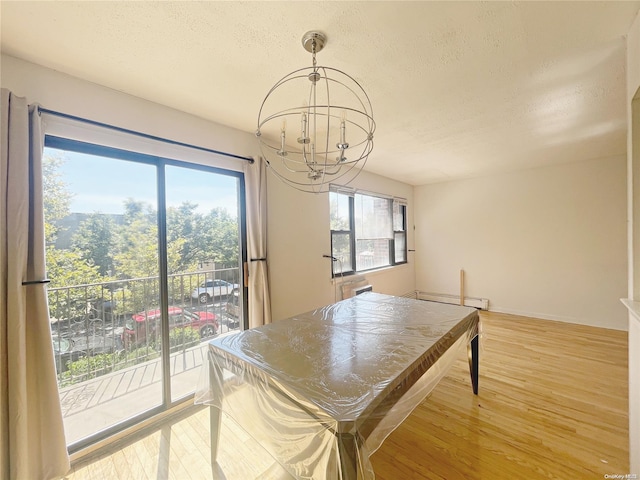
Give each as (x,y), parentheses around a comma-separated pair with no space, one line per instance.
(327,136)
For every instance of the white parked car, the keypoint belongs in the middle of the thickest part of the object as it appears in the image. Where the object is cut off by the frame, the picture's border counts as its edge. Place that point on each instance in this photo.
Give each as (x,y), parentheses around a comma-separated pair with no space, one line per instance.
(210,289)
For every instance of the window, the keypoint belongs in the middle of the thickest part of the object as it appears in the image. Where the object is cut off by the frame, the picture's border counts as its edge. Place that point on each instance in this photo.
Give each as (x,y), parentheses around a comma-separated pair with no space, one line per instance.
(400,230)
(342,226)
(367,231)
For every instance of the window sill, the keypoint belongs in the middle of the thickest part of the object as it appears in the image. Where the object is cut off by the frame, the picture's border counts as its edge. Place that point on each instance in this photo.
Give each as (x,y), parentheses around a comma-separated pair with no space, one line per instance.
(348,277)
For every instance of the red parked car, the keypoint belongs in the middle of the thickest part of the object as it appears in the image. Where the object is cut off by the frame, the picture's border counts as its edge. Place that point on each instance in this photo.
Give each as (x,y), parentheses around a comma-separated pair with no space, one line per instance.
(146,325)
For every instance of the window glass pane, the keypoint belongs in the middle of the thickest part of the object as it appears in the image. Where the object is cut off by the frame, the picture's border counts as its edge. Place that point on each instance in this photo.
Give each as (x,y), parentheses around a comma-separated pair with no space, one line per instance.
(203,249)
(373,231)
(102,260)
(400,247)
(339,211)
(398,216)
(372,253)
(341,249)
(372,217)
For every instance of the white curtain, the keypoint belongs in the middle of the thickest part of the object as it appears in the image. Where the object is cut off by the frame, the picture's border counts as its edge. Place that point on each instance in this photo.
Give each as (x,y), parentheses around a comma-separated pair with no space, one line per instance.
(33,444)
(258,281)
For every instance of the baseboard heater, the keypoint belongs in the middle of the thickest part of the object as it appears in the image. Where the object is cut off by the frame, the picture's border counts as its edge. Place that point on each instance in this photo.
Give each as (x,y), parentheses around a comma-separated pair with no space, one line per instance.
(481,303)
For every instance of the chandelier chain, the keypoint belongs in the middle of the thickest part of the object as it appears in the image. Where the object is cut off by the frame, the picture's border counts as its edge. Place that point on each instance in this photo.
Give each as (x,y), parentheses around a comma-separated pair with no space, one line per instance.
(313,52)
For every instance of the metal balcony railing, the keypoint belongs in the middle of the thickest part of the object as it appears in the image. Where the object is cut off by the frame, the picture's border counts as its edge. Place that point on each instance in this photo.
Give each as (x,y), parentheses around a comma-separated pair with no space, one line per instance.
(104,327)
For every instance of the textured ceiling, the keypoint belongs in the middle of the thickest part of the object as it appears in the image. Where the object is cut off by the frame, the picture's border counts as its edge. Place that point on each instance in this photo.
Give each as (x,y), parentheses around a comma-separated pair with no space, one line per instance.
(459,89)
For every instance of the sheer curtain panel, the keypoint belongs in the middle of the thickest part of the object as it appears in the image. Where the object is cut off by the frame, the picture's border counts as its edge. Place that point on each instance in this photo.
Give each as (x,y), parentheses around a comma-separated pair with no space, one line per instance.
(33,443)
(258,281)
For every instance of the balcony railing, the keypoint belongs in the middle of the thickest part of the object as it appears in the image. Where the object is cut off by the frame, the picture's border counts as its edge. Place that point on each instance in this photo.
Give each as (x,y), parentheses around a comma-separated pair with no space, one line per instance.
(101,328)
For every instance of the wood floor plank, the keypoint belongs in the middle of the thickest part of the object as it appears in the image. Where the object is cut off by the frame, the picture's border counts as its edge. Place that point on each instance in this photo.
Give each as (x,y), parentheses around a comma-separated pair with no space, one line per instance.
(552,405)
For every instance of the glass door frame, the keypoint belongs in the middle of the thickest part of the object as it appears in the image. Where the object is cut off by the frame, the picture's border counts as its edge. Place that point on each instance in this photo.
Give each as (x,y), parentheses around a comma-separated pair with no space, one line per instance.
(61,143)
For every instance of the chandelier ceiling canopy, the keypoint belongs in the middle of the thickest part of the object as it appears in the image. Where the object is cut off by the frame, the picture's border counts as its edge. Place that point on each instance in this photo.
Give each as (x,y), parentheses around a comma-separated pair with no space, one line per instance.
(315,126)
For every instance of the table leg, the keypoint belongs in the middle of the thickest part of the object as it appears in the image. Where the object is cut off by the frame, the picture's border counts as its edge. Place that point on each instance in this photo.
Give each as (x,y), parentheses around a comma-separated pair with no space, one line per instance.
(214,420)
(215,413)
(348,450)
(474,358)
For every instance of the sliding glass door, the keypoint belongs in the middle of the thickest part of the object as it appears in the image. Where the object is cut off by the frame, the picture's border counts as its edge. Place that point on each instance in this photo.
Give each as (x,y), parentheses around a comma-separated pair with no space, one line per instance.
(203,253)
(143,255)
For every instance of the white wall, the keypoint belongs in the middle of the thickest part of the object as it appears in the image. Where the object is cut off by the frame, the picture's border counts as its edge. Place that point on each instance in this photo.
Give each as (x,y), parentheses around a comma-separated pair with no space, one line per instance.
(298,224)
(547,242)
(633,162)
(56,91)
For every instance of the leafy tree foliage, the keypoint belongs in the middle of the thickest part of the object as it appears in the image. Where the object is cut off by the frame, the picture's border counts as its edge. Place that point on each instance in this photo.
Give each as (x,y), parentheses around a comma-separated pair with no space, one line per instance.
(57,197)
(221,237)
(94,241)
(184,226)
(104,250)
(137,245)
(64,267)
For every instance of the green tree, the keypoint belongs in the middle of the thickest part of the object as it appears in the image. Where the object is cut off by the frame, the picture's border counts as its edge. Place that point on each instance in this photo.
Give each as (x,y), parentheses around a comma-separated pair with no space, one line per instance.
(137,209)
(137,242)
(101,250)
(137,254)
(57,197)
(94,241)
(64,267)
(221,237)
(211,237)
(185,235)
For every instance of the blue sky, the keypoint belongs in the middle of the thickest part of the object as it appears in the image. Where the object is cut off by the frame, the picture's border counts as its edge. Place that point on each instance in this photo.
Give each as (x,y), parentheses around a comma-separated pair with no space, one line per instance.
(102,184)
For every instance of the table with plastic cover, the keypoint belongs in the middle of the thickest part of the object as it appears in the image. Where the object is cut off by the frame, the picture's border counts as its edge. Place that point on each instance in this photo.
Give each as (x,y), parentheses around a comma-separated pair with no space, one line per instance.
(321,391)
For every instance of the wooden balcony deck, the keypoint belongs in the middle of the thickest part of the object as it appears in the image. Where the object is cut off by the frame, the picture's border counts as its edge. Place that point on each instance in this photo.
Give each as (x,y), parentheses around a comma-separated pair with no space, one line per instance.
(92,405)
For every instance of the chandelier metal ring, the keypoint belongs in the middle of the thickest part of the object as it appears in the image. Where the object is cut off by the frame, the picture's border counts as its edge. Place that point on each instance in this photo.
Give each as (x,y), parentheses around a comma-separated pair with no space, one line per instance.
(327,136)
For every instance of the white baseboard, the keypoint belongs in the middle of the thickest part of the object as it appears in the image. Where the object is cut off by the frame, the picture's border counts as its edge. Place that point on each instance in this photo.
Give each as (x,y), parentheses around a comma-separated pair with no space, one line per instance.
(554,318)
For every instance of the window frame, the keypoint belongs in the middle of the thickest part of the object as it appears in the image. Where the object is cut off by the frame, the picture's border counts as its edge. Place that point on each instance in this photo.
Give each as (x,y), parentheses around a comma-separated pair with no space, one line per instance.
(352,240)
(402,204)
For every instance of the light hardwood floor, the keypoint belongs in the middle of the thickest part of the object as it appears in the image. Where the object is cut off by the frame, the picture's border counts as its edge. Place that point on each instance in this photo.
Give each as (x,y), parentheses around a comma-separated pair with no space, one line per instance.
(552,405)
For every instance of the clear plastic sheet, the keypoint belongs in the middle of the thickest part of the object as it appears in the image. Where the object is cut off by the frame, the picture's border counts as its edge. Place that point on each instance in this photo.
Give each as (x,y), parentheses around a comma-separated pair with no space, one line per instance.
(322,390)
